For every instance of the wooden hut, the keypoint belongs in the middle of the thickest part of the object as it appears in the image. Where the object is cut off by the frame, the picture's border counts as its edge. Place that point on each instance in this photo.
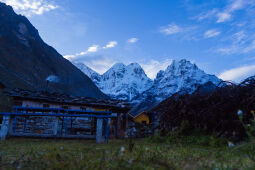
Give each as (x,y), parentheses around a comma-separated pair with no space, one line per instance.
(27,101)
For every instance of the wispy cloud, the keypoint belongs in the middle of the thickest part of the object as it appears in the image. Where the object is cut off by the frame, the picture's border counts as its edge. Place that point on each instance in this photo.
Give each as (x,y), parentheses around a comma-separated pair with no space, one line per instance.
(91,49)
(111,44)
(31,7)
(132,40)
(211,33)
(250,47)
(239,37)
(240,42)
(238,46)
(206,15)
(226,14)
(152,67)
(170,29)
(238,74)
(223,16)
(228,50)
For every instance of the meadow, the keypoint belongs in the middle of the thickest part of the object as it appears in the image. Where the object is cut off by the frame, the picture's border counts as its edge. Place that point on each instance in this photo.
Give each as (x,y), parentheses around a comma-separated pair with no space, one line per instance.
(151,153)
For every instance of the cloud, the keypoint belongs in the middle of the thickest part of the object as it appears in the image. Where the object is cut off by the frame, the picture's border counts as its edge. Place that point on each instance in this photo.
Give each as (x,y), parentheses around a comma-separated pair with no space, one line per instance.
(132,40)
(153,67)
(229,50)
(233,6)
(211,33)
(238,74)
(91,49)
(241,42)
(226,14)
(223,16)
(31,7)
(53,79)
(170,29)
(239,37)
(238,47)
(206,15)
(250,47)
(111,44)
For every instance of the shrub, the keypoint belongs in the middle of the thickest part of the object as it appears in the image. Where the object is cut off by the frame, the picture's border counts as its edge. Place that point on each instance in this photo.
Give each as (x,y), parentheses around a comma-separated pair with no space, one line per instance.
(157,138)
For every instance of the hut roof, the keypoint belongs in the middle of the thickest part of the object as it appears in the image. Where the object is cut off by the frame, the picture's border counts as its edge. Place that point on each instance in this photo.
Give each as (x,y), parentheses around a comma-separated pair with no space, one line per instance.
(118,106)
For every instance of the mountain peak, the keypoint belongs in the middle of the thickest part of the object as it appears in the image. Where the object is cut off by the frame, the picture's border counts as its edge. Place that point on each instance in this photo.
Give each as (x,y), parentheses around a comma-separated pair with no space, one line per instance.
(118,65)
(93,75)
(134,65)
(181,66)
(121,81)
(84,68)
(180,77)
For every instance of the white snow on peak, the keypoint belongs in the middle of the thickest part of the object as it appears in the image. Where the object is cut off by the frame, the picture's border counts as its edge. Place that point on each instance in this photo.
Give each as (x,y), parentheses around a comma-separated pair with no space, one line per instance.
(181,76)
(125,82)
(93,75)
(85,69)
(129,82)
(120,81)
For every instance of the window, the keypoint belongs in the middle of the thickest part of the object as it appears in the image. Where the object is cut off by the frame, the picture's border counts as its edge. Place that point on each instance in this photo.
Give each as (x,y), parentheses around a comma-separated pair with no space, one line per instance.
(17,103)
(46,105)
(65,107)
(83,108)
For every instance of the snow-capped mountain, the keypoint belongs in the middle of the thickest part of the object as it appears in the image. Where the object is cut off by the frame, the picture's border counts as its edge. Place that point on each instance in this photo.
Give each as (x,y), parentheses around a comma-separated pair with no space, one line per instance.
(120,81)
(181,76)
(94,76)
(131,83)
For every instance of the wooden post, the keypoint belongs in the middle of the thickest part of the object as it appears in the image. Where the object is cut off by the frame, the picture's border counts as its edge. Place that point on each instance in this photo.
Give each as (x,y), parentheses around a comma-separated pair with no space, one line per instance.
(55,128)
(108,127)
(99,131)
(118,129)
(126,135)
(5,127)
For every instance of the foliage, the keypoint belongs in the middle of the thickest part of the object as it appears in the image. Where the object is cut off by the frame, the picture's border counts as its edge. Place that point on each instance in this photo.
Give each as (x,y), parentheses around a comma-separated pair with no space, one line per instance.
(250,129)
(213,112)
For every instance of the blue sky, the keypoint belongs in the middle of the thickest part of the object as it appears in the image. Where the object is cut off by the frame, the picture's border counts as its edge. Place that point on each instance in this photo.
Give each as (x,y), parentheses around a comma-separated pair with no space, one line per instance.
(217,35)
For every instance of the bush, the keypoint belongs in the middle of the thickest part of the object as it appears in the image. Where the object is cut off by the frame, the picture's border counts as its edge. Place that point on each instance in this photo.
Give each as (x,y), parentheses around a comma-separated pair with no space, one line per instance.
(157,138)
(200,140)
(194,139)
(250,129)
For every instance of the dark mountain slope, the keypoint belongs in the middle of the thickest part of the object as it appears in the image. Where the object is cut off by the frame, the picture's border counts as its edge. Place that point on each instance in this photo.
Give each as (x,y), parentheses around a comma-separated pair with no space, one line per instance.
(26,61)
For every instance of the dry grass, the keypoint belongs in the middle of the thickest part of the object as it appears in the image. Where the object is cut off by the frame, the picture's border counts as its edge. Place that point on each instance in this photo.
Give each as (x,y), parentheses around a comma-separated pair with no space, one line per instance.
(83,154)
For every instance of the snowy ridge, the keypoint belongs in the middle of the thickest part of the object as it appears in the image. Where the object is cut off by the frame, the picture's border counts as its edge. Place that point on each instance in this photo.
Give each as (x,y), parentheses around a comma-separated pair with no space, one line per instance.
(120,81)
(181,76)
(93,75)
(131,83)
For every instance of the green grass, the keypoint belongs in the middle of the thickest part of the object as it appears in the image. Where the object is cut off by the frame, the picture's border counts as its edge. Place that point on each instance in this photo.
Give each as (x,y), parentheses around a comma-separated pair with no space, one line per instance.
(147,154)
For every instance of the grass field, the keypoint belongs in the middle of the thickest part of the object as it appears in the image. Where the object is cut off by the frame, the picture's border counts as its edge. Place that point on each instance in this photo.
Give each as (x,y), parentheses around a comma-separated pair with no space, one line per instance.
(85,154)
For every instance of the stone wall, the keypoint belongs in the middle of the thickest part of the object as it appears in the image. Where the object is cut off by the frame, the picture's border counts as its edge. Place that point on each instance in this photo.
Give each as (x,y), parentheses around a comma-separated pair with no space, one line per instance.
(55,126)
